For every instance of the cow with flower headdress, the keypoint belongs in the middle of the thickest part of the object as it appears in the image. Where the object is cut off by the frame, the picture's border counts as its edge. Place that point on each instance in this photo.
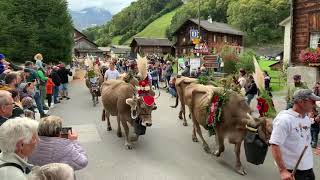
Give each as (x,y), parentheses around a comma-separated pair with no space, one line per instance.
(132,102)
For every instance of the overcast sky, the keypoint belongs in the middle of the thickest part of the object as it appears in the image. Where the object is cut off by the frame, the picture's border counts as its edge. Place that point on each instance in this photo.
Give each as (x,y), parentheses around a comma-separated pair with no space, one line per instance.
(113,6)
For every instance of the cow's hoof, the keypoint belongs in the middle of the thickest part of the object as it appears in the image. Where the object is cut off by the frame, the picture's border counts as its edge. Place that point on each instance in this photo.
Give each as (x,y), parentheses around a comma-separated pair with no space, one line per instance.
(206,149)
(129,146)
(109,129)
(217,153)
(241,171)
(185,124)
(119,134)
(195,139)
(180,117)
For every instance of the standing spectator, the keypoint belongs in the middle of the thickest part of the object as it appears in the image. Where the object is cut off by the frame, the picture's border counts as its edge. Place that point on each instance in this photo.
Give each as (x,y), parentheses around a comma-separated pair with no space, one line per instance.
(12,80)
(111,73)
(17,108)
(186,72)
(2,64)
(23,133)
(42,86)
(172,87)
(267,80)
(298,84)
(290,135)
(49,88)
(6,106)
(252,90)
(64,73)
(52,148)
(32,77)
(315,127)
(57,82)
(168,71)
(316,89)
(155,77)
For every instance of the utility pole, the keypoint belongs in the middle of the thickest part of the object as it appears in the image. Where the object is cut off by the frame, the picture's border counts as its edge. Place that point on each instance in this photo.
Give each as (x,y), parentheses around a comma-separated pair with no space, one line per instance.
(199,27)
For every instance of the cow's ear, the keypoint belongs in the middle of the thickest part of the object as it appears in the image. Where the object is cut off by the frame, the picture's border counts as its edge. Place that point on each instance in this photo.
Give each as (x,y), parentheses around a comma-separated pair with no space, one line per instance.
(131,102)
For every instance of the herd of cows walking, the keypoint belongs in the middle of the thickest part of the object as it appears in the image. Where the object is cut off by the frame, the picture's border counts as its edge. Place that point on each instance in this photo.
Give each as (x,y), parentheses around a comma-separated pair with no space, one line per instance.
(132,102)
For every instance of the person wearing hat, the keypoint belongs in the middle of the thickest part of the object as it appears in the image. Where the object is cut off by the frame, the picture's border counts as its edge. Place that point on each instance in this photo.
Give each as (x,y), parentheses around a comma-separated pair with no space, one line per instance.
(38,57)
(291,133)
(298,84)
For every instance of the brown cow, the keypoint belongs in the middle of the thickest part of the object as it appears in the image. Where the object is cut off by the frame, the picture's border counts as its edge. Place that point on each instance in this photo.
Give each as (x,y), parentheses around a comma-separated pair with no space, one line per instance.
(181,85)
(119,99)
(233,123)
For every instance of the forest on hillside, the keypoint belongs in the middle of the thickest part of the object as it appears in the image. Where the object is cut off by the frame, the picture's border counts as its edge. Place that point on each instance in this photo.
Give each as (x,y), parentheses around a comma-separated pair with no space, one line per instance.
(131,20)
(259,19)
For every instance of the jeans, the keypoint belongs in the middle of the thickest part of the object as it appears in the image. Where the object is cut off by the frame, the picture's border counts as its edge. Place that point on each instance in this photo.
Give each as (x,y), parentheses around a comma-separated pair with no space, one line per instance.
(49,98)
(249,98)
(314,136)
(37,98)
(55,94)
(304,175)
(173,92)
(155,83)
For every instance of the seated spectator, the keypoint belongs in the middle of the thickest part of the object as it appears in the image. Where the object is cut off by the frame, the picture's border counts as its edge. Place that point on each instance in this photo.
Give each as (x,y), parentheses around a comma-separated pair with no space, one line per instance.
(52,148)
(53,171)
(23,133)
(28,107)
(172,87)
(6,106)
(17,108)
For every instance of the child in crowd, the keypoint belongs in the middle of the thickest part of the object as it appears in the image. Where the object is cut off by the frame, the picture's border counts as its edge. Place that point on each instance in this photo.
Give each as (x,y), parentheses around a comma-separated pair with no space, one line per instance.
(315,127)
(49,88)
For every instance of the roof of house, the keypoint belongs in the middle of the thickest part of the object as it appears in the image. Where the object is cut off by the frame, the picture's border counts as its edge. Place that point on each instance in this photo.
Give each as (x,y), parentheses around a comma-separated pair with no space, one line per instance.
(216,27)
(105,49)
(286,21)
(83,36)
(120,49)
(141,41)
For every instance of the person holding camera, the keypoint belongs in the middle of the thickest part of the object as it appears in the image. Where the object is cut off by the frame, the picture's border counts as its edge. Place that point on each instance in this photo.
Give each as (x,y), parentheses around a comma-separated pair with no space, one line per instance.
(54,147)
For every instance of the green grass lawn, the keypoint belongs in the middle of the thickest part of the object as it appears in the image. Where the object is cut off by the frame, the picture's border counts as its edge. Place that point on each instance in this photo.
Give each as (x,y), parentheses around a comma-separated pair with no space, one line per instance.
(157,29)
(277,82)
(115,40)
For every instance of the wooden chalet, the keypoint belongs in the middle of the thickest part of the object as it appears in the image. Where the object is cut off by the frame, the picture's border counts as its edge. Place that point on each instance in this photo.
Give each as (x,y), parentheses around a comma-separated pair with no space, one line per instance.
(305,27)
(83,46)
(150,46)
(214,35)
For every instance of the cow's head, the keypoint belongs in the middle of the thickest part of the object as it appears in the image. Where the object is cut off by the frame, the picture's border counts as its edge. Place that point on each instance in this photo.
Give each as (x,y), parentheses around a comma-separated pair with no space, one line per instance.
(142,107)
(263,126)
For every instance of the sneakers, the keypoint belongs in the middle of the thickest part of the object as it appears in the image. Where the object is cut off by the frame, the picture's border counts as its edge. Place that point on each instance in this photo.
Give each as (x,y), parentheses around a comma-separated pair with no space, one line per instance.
(67,98)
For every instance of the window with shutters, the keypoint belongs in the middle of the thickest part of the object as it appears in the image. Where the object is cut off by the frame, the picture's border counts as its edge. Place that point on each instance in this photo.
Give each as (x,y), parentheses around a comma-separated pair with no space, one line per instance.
(315,40)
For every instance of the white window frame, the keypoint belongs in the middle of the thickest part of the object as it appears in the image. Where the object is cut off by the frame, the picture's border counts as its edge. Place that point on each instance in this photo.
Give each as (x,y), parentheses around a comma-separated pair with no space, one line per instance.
(314,40)
(214,38)
(225,38)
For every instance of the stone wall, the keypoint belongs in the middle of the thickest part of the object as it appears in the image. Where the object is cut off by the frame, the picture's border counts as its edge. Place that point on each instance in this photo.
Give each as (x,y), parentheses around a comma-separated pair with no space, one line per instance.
(309,75)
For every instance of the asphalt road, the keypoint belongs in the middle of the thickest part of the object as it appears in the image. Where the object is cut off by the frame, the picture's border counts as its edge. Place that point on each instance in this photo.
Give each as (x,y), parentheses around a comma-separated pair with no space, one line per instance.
(166,152)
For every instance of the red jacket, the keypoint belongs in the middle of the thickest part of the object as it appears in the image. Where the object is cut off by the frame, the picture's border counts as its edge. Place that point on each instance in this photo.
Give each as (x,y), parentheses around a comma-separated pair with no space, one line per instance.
(50,86)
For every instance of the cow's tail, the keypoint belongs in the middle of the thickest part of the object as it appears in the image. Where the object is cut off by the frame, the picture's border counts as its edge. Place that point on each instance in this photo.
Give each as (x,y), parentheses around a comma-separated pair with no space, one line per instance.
(177,102)
(103,118)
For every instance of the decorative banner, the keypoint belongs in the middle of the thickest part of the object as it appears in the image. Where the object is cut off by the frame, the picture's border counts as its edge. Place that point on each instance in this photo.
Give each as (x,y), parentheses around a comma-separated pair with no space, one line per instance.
(181,65)
(195,63)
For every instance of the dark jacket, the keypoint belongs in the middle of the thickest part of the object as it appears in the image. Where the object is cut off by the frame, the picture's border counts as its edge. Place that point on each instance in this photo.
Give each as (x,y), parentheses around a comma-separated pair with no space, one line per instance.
(56,78)
(63,73)
(252,89)
(17,111)
(2,120)
(186,71)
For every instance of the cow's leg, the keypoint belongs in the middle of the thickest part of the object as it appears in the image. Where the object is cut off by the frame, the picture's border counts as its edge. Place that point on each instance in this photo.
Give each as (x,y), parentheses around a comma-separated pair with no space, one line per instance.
(180,114)
(119,132)
(103,116)
(220,141)
(239,166)
(194,135)
(127,143)
(109,128)
(185,123)
(196,125)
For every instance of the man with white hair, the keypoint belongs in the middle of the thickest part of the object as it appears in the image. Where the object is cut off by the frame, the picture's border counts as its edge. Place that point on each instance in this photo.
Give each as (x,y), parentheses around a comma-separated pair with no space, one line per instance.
(52,171)
(18,138)
(6,106)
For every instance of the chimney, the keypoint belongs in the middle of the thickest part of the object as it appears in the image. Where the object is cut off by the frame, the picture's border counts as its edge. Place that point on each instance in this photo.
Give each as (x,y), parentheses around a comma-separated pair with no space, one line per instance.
(209,19)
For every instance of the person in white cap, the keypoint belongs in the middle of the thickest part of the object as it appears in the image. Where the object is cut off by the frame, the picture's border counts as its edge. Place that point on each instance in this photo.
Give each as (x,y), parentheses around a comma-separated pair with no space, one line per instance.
(291,134)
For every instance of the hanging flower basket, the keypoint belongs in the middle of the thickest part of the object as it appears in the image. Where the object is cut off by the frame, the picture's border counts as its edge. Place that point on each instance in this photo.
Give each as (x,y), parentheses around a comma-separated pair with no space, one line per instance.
(310,56)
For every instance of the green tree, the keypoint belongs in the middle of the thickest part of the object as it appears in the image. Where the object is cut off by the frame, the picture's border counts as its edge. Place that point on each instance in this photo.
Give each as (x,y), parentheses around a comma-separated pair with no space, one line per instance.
(34,26)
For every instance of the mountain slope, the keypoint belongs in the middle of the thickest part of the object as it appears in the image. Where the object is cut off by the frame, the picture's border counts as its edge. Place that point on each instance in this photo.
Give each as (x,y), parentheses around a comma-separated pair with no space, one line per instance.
(157,29)
(90,17)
